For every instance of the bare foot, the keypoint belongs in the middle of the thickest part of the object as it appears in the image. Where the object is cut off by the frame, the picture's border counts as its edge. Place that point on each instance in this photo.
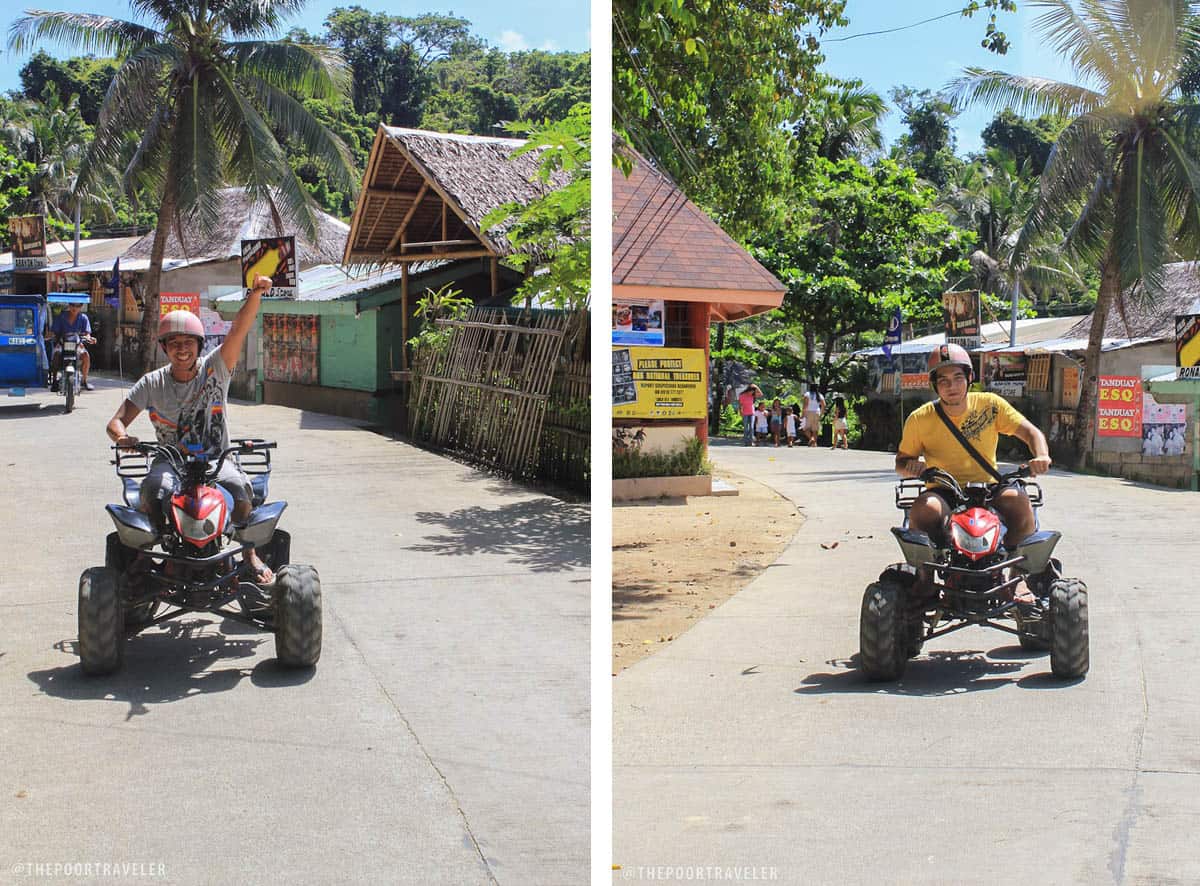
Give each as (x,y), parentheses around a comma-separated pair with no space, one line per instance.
(262,573)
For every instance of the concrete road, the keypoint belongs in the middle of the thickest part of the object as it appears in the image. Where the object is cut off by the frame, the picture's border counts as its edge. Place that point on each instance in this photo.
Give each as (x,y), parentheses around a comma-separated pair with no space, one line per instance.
(442,738)
(753,746)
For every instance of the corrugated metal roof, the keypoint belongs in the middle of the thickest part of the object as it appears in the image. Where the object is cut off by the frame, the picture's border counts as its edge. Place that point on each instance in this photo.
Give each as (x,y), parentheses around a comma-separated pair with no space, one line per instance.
(333,282)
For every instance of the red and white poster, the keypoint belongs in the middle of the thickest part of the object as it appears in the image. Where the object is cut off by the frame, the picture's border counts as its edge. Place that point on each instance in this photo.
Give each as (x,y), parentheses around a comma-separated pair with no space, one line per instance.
(178,301)
(1119,406)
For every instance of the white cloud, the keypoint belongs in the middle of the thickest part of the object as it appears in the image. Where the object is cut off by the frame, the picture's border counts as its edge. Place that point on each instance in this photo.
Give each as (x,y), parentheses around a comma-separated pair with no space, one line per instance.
(550,46)
(511,41)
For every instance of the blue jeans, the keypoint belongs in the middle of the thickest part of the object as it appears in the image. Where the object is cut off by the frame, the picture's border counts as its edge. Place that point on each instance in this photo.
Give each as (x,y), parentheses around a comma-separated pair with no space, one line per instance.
(748,429)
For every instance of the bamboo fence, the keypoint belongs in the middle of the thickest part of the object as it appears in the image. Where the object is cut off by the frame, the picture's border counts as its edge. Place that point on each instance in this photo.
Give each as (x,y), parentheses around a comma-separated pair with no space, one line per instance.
(502,395)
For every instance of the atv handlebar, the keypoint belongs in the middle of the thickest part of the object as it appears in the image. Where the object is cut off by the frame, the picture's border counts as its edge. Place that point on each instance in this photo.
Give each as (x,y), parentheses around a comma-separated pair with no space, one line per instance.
(181,460)
(944,478)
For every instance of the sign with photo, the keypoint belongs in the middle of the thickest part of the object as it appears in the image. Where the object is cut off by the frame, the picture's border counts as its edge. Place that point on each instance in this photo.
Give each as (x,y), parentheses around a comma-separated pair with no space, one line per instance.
(961,313)
(1119,406)
(1164,427)
(914,372)
(1005,374)
(1187,345)
(29,242)
(638,322)
(667,383)
(274,257)
(623,389)
(178,301)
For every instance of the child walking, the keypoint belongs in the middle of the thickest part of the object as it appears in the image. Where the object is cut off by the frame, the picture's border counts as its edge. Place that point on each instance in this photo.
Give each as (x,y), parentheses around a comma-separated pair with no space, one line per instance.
(790,426)
(840,427)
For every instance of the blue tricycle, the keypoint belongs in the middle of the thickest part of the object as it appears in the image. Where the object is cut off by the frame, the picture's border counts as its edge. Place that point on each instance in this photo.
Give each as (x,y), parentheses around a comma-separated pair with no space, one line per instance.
(24,363)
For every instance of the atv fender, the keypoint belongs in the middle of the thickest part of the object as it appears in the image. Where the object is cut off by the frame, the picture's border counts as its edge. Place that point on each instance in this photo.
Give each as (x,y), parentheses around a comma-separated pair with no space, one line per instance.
(900,573)
(133,527)
(261,524)
(1036,550)
(918,547)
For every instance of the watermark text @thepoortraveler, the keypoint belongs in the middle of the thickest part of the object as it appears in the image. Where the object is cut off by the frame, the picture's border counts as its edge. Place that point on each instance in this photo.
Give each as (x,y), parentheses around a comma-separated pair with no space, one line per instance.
(56,870)
(699,873)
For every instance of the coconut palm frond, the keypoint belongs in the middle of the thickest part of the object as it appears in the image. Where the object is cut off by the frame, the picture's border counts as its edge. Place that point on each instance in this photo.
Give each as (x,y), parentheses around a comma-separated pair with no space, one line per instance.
(249,18)
(198,158)
(147,167)
(93,34)
(302,69)
(292,117)
(1092,45)
(1087,237)
(1140,222)
(1025,95)
(133,93)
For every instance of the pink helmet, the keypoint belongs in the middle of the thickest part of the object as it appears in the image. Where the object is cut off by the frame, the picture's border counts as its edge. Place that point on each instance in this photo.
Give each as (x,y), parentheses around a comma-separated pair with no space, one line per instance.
(949,355)
(180,322)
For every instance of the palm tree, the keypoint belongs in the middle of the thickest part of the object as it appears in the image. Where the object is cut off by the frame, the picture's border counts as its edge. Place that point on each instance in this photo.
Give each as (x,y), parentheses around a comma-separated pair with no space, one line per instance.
(203,89)
(993,197)
(847,118)
(52,136)
(1123,173)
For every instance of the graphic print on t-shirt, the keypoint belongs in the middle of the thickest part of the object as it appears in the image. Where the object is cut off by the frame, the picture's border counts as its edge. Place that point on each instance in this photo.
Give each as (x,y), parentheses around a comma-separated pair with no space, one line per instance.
(200,424)
(976,422)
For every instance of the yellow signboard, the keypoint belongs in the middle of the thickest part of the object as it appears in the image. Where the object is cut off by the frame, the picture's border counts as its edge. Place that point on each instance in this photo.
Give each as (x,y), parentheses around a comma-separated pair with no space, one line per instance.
(659,383)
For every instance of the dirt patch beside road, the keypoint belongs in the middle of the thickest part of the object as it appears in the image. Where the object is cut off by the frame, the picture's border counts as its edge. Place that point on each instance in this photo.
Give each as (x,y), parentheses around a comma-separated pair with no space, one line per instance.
(676,560)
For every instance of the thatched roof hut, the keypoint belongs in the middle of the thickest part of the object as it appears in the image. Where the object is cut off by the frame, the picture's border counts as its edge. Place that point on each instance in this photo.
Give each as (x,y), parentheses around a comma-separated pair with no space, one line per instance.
(1139,320)
(425,196)
(243,219)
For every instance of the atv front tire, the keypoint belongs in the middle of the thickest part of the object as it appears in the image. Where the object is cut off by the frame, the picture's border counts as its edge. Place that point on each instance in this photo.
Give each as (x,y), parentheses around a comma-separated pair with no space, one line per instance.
(101,621)
(297,616)
(1068,628)
(882,638)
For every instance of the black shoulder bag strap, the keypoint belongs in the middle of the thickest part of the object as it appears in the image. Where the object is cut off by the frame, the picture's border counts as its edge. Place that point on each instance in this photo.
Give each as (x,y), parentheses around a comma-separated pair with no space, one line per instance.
(971,450)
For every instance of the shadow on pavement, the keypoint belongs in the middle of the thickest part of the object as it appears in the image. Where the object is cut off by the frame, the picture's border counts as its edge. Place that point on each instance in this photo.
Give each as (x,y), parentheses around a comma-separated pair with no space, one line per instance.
(166,664)
(932,673)
(543,535)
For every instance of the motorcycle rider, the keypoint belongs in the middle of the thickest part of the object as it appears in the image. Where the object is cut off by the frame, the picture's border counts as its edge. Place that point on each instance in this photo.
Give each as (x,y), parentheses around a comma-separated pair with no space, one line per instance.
(73,321)
(981,417)
(186,400)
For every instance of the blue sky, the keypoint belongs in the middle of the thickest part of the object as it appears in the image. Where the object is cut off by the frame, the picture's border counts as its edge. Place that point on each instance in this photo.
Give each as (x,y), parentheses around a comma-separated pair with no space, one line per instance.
(929,56)
(514,25)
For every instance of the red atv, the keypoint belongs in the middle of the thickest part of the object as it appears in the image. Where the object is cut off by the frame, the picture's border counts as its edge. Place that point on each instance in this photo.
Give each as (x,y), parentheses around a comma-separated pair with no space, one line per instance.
(160,566)
(973,580)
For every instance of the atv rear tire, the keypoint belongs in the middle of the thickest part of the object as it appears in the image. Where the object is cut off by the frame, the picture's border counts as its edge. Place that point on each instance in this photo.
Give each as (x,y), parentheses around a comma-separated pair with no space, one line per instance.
(297,616)
(882,638)
(101,621)
(1068,628)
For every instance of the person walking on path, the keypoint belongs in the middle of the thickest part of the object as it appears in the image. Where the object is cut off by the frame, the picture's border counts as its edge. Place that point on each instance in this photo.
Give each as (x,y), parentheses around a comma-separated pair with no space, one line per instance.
(814,408)
(746,400)
(840,426)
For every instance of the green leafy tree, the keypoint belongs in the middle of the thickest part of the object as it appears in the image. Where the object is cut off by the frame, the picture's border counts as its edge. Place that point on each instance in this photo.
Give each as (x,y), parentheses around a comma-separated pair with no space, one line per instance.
(553,233)
(928,146)
(706,86)
(14,172)
(1028,141)
(88,78)
(203,88)
(1123,173)
(871,240)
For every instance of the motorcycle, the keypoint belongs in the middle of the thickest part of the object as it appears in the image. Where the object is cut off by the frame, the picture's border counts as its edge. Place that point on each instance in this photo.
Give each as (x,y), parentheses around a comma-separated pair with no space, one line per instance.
(973,579)
(66,379)
(159,566)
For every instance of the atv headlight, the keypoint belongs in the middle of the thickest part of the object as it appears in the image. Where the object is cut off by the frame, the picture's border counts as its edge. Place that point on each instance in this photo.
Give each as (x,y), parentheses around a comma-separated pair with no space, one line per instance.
(193,529)
(974,544)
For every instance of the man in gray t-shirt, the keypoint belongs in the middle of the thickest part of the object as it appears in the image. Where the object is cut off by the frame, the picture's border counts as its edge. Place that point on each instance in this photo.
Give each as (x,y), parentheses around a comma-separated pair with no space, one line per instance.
(186,400)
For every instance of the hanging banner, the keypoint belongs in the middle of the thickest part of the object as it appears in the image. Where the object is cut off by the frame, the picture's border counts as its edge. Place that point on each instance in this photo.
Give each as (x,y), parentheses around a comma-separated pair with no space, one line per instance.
(1163,428)
(1187,345)
(667,383)
(1070,387)
(638,322)
(961,313)
(178,301)
(29,242)
(1119,406)
(1005,374)
(274,257)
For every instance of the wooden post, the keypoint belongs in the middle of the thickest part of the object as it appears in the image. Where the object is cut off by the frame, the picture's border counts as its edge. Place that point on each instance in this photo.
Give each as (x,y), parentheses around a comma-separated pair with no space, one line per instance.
(404,316)
(495,276)
(698,319)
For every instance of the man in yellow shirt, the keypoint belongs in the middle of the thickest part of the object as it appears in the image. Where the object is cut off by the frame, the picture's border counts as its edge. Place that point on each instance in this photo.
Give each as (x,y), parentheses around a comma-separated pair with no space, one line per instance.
(981,418)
